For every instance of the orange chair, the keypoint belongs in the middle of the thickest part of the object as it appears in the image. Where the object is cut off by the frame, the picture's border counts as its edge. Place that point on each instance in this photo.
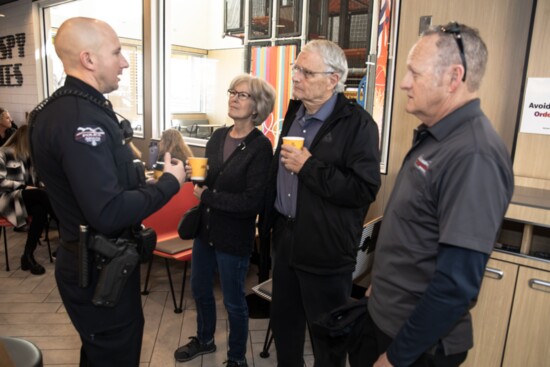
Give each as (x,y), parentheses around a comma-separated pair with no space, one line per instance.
(4,225)
(169,246)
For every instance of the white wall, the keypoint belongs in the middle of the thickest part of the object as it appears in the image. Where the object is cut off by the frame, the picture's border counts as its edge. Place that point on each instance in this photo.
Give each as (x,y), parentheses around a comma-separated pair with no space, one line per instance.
(199,24)
(18,100)
(230,64)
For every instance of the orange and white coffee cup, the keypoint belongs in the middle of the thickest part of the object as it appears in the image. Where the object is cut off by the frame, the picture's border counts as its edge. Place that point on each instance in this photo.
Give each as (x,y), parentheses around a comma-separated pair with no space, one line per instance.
(296,141)
(198,168)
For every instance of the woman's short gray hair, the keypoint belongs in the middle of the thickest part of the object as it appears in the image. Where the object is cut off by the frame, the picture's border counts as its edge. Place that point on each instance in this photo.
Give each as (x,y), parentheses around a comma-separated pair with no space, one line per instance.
(333,56)
(475,51)
(261,92)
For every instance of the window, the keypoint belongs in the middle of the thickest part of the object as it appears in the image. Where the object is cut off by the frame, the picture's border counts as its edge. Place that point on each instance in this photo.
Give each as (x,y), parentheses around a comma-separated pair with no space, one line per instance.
(289,22)
(260,19)
(189,75)
(191,78)
(234,15)
(125,16)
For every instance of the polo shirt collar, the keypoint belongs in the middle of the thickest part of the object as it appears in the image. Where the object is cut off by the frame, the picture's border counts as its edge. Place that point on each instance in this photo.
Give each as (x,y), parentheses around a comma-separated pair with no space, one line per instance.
(452,121)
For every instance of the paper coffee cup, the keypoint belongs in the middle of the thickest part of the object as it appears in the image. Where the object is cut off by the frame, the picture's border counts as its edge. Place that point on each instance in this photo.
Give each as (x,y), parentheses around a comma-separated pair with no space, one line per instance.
(296,141)
(198,168)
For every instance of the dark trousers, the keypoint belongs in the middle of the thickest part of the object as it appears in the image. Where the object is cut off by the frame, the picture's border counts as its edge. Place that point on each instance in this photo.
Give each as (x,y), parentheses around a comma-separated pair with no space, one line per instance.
(373,342)
(38,206)
(111,336)
(300,298)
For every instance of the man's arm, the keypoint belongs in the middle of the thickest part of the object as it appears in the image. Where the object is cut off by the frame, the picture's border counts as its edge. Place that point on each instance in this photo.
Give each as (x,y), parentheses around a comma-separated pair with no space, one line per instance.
(454,287)
(353,184)
(93,175)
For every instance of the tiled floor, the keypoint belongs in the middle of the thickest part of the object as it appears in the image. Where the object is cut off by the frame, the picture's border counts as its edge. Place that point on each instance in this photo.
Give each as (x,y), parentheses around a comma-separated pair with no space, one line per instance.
(30,308)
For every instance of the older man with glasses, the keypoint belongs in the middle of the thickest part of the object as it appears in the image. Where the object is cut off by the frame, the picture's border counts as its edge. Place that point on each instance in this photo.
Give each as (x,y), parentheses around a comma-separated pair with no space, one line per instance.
(318,197)
(444,213)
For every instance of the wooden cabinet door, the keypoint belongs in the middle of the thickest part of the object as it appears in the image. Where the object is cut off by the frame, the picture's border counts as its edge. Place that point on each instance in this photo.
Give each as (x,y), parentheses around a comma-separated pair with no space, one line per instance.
(491,314)
(528,343)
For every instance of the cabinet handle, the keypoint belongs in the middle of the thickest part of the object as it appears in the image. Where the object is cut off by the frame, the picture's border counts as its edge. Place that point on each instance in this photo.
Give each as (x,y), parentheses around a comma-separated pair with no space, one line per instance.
(539,285)
(494,273)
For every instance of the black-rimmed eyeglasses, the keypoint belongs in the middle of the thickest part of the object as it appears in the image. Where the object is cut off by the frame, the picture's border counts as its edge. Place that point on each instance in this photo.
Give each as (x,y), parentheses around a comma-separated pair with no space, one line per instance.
(454,29)
(243,96)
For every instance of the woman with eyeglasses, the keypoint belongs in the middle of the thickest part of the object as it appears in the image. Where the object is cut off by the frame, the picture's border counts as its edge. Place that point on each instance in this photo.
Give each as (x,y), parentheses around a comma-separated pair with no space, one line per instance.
(231,197)
(7,126)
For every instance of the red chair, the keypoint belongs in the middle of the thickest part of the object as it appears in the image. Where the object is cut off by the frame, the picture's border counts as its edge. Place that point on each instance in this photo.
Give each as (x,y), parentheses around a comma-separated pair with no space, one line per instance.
(169,246)
(4,225)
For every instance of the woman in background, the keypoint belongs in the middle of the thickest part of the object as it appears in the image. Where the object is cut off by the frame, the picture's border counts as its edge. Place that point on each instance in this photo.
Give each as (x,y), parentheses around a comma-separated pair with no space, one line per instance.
(232,195)
(7,126)
(21,196)
(172,141)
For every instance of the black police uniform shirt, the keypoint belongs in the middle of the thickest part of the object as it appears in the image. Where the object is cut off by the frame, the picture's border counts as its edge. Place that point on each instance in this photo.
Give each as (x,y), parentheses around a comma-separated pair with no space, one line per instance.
(87,169)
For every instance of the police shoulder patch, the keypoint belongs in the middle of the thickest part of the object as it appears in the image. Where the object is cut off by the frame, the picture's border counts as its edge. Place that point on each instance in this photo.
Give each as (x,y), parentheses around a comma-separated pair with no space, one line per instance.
(90,135)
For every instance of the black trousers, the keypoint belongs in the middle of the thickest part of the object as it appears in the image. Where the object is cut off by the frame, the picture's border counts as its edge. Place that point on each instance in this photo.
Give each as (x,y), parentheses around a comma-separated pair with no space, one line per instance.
(38,206)
(111,336)
(372,342)
(299,298)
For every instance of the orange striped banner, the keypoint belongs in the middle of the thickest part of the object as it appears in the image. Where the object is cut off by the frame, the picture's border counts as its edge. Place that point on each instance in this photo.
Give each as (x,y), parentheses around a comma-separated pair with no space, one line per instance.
(273,65)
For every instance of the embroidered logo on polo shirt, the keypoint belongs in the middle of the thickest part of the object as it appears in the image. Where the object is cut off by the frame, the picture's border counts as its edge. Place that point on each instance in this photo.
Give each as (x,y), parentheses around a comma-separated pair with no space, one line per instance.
(90,135)
(422,164)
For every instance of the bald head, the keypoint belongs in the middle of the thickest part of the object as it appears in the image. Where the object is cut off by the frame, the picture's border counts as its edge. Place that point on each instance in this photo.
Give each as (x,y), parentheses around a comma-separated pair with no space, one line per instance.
(79,34)
(89,48)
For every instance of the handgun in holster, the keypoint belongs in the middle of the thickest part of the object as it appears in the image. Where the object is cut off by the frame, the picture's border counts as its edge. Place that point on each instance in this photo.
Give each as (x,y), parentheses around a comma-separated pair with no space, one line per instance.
(116,260)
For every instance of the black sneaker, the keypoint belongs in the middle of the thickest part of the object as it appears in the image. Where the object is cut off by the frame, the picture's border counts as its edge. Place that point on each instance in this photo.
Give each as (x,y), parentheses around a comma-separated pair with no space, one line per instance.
(231,363)
(193,349)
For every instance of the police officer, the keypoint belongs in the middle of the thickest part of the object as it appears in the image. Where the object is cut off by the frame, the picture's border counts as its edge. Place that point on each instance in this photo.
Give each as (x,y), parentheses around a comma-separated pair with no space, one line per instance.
(81,154)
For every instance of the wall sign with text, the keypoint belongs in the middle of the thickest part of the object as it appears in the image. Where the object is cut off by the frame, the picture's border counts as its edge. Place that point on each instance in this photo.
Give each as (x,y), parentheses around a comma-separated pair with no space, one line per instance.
(535,118)
(12,48)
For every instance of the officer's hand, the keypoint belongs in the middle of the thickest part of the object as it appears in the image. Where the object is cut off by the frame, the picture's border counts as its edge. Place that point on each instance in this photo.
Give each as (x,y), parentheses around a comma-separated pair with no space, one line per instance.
(174,167)
(188,170)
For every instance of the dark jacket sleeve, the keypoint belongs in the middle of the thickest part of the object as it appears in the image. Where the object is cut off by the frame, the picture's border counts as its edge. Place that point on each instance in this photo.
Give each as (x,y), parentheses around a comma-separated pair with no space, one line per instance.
(354,181)
(92,173)
(453,289)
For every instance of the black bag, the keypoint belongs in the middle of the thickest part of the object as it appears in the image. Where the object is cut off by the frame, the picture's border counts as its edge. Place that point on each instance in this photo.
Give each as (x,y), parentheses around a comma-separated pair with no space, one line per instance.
(188,228)
(342,321)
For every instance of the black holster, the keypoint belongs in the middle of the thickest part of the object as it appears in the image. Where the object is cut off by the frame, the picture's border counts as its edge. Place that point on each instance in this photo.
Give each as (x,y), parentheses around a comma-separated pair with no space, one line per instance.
(146,240)
(115,259)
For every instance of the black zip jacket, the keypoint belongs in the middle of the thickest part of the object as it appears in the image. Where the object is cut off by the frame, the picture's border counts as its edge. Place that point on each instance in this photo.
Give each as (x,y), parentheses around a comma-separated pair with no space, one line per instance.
(335,188)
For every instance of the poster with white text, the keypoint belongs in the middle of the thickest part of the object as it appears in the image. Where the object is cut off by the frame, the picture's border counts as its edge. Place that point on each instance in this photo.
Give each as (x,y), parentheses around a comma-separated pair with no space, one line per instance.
(535,118)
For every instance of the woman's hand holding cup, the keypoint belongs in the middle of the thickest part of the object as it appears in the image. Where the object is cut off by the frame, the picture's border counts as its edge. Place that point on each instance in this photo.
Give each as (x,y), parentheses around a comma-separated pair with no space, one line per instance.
(198,168)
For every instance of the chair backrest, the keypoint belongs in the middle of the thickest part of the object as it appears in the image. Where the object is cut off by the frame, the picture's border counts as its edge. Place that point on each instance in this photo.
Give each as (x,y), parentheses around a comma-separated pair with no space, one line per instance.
(165,221)
(365,255)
